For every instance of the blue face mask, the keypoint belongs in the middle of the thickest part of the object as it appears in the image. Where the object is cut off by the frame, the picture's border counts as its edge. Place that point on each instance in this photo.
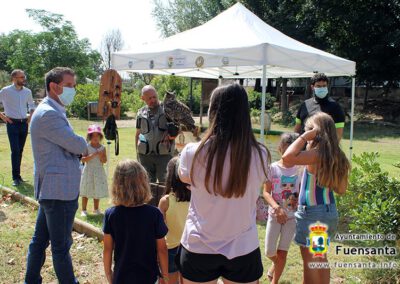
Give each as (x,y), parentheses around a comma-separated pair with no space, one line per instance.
(67,96)
(321,92)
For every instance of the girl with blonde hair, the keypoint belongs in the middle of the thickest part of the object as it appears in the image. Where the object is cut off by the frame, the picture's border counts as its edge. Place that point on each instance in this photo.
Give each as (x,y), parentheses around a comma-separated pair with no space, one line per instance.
(134,231)
(326,172)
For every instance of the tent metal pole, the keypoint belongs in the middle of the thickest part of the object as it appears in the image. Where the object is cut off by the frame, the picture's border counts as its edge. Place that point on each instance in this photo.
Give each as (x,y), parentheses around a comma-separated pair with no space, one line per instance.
(353,91)
(264,88)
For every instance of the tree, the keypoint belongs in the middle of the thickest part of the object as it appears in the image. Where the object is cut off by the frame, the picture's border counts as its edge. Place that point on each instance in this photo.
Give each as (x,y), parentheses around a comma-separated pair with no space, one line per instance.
(5,79)
(366,31)
(56,45)
(181,15)
(112,42)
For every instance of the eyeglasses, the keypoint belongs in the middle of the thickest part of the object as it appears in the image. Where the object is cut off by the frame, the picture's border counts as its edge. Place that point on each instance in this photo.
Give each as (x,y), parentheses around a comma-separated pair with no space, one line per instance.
(21,77)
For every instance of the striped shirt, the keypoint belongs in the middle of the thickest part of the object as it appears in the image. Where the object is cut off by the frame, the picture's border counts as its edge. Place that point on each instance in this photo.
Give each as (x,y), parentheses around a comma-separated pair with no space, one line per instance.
(313,194)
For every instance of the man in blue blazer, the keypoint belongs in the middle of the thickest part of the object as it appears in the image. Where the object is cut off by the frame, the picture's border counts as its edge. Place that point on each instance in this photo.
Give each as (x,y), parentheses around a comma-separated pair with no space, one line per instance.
(55,149)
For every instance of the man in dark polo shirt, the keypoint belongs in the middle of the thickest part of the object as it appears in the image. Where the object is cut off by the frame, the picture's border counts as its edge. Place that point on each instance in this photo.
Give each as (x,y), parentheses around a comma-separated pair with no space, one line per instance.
(320,102)
(16,99)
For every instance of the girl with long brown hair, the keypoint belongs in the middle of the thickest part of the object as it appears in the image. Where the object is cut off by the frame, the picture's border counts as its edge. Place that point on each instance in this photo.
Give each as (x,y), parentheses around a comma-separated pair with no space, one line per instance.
(326,171)
(225,171)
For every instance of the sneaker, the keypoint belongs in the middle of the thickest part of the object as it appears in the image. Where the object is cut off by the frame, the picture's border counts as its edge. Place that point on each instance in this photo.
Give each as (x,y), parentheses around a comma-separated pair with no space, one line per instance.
(16,182)
(21,180)
(84,214)
(97,212)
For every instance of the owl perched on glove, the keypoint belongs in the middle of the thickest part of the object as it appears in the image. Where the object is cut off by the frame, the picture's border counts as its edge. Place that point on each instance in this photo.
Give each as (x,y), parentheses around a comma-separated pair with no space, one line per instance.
(179,113)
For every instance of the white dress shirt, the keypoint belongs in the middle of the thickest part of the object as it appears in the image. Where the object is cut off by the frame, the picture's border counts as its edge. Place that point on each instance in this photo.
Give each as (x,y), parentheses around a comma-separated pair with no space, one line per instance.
(16,102)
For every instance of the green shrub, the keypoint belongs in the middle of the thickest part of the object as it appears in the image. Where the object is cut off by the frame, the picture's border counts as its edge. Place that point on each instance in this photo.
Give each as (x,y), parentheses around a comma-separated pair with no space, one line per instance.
(131,101)
(288,119)
(372,203)
(181,87)
(255,100)
(86,93)
(255,113)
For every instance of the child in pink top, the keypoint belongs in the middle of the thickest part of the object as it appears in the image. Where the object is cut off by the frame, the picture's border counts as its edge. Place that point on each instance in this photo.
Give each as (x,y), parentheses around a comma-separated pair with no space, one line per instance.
(281,193)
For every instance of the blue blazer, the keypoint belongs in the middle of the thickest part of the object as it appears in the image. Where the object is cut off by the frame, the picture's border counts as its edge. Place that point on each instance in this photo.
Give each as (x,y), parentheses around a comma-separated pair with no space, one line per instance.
(55,149)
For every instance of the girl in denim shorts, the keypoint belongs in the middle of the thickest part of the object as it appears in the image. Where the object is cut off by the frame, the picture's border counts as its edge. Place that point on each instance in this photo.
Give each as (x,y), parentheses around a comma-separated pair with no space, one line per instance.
(326,171)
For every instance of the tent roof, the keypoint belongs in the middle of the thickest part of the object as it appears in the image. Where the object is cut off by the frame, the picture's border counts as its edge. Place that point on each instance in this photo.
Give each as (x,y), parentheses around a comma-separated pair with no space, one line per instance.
(234,44)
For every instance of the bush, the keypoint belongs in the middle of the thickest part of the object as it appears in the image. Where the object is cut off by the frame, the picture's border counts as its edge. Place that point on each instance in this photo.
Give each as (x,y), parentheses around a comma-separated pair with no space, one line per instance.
(181,87)
(372,203)
(288,119)
(86,93)
(131,101)
(255,100)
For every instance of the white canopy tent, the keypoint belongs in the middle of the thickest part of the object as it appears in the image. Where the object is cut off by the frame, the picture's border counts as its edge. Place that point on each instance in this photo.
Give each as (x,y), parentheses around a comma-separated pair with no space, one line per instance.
(234,44)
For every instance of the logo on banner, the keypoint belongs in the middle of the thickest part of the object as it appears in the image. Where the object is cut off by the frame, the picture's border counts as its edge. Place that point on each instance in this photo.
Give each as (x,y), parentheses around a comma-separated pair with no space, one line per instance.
(170,61)
(130,64)
(199,61)
(318,239)
(180,61)
(225,61)
(151,65)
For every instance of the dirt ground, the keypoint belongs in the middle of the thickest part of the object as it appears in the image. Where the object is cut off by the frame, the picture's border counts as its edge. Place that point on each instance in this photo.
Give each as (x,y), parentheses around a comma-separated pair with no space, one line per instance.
(16,227)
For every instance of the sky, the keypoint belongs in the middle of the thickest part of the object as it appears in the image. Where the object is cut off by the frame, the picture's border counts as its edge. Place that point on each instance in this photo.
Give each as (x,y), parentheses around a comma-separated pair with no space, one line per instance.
(91,18)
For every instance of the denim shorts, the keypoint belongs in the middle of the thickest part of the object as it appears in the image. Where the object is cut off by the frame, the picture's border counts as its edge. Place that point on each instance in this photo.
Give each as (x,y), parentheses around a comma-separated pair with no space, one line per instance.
(172,268)
(307,215)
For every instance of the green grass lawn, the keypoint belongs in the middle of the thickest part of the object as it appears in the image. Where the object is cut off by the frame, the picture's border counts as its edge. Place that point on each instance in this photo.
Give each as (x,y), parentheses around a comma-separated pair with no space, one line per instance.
(384,140)
(16,228)
(17,225)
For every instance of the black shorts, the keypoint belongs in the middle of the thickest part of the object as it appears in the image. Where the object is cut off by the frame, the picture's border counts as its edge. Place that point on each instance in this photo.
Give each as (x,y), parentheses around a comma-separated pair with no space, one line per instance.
(199,267)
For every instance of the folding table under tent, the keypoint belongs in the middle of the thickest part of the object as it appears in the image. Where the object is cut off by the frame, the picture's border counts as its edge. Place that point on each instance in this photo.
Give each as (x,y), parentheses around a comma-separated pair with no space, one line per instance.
(235,44)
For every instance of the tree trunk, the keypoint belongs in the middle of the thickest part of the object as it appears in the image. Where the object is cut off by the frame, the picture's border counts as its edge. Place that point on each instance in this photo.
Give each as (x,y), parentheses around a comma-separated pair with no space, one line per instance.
(191,93)
(284,102)
(278,89)
(269,86)
(331,83)
(365,103)
(307,91)
(257,86)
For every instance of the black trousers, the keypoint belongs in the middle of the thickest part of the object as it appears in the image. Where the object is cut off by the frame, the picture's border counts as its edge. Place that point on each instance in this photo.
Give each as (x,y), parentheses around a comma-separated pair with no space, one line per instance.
(17,133)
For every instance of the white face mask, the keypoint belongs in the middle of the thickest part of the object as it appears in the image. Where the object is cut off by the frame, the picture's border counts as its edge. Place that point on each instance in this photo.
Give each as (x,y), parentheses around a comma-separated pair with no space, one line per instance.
(67,96)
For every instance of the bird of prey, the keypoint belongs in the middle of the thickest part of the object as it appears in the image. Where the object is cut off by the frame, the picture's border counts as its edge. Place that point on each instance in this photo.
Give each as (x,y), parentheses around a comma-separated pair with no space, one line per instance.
(179,113)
